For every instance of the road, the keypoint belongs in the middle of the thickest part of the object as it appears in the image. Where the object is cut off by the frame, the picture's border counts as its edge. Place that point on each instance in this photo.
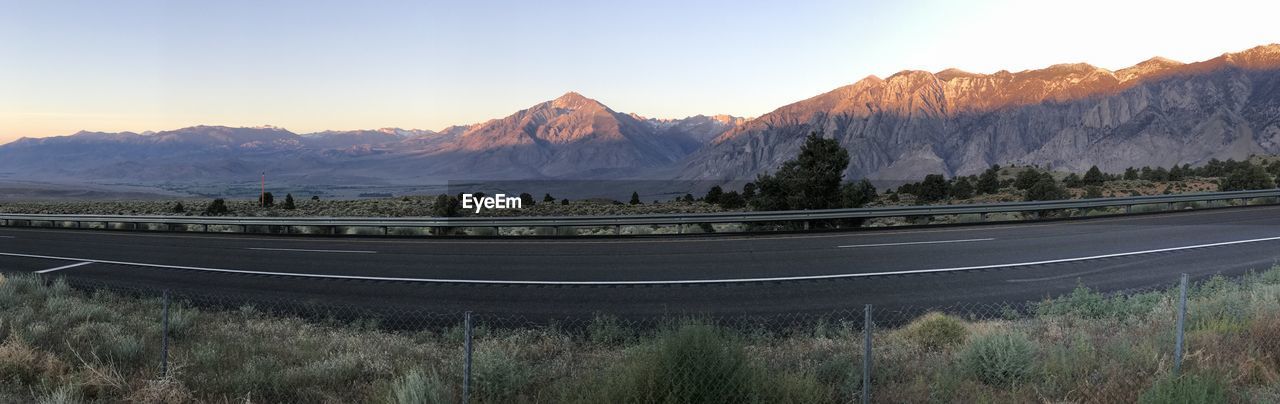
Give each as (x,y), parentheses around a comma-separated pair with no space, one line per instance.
(724,275)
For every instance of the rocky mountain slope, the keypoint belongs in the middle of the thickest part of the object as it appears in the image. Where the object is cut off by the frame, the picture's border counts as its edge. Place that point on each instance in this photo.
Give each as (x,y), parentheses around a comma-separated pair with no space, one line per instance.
(1069,116)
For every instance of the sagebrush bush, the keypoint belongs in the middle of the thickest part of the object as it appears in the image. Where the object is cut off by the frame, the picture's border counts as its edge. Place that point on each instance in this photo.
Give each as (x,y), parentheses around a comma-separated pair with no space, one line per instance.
(935,331)
(1187,389)
(498,378)
(418,387)
(699,363)
(607,330)
(1088,304)
(1001,358)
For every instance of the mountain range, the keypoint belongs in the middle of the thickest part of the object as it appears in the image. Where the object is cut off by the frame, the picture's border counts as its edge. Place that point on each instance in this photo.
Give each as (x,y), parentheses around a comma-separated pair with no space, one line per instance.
(1069,116)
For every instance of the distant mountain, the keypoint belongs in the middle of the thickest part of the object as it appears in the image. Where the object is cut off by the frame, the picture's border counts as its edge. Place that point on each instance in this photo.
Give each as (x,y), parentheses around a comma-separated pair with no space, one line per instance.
(1069,116)
(569,137)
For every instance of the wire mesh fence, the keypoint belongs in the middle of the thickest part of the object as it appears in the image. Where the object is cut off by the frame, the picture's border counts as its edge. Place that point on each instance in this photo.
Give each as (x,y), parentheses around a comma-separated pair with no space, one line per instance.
(125,343)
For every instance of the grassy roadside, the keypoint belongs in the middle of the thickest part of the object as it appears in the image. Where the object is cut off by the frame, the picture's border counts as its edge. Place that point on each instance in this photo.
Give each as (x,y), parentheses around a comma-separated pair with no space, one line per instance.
(64,345)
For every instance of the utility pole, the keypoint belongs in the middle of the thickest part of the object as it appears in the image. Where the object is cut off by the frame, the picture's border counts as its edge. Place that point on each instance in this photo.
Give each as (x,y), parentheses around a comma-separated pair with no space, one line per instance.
(262,196)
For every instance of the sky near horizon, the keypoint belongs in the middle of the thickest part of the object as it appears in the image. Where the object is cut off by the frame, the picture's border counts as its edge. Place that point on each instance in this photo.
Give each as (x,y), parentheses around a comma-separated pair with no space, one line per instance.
(314,65)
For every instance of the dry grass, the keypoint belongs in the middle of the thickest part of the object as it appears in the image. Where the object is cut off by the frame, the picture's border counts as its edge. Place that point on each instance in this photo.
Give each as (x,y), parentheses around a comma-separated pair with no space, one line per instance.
(62,345)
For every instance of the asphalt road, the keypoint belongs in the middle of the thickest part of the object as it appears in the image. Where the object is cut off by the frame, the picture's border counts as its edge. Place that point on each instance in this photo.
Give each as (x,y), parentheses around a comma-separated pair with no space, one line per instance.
(975,266)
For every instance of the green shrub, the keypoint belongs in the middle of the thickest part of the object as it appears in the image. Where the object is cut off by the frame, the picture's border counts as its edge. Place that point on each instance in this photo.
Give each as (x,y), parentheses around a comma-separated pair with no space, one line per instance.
(65,394)
(416,387)
(606,330)
(216,208)
(498,377)
(934,331)
(1087,304)
(699,363)
(841,372)
(1187,389)
(999,359)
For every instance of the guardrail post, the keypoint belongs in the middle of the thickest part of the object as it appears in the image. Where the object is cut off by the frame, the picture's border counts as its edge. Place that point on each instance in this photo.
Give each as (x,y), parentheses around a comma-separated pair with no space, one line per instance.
(1128,209)
(466,362)
(866,355)
(1182,314)
(164,337)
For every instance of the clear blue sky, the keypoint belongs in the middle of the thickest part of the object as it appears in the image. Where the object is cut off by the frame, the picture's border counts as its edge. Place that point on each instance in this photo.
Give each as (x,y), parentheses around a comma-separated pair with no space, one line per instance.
(313,65)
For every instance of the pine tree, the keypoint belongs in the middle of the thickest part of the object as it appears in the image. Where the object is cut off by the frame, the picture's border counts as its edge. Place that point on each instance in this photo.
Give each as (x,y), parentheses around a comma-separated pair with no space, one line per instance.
(216,208)
(178,208)
(1072,180)
(548,198)
(989,181)
(445,206)
(635,198)
(962,189)
(732,200)
(713,195)
(934,188)
(856,194)
(1130,174)
(809,181)
(1094,176)
(1247,178)
(266,200)
(288,202)
(1027,178)
(1046,189)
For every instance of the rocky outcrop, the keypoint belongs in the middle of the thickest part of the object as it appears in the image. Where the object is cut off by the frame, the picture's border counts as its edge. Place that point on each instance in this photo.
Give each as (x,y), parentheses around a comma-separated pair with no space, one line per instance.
(1069,116)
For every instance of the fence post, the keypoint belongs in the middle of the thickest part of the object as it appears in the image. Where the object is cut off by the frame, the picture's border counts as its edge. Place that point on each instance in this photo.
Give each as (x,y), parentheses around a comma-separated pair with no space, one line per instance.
(1182,314)
(164,337)
(866,355)
(466,362)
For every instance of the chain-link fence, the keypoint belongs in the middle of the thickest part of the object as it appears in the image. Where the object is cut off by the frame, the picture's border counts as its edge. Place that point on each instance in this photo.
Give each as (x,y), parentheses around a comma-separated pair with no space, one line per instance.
(1213,338)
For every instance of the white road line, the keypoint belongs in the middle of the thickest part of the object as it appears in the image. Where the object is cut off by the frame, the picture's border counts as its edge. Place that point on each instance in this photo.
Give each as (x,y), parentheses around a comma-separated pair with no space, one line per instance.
(669,282)
(64,267)
(7,237)
(318,251)
(970,240)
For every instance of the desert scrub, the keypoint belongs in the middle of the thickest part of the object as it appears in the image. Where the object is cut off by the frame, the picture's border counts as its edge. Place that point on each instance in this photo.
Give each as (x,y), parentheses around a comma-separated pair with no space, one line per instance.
(934,331)
(699,363)
(1187,389)
(419,387)
(1000,358)
(60,344)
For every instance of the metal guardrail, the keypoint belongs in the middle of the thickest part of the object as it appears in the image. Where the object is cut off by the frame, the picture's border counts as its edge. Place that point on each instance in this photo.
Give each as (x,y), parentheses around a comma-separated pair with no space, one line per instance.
(250,224)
